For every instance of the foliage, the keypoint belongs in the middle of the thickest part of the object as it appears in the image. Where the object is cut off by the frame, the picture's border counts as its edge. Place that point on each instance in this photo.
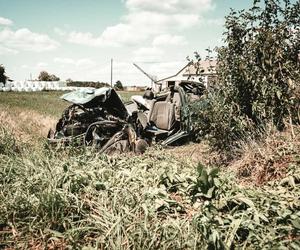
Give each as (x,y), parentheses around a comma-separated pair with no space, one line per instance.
(87,84)
(45,76)
(75,199)
(118,85)
(206,183)
(258,73)
(3,77)
(220,122)
(260,66)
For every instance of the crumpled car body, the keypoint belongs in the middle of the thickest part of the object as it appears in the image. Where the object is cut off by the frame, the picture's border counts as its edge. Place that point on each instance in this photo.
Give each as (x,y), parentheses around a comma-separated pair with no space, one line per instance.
(99,118)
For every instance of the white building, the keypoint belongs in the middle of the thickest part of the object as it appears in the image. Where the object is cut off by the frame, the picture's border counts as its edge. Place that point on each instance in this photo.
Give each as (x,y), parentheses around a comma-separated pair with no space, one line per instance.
(203,71)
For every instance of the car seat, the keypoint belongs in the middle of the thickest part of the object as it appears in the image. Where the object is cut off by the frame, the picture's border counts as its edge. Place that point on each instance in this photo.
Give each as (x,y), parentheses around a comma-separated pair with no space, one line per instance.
(163,115)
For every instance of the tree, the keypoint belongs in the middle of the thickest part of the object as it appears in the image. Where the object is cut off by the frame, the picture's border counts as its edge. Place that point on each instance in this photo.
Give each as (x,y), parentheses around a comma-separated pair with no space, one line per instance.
(3,77)
(54,78)
(258,75)
(259,66)
(118,85)
(45,76)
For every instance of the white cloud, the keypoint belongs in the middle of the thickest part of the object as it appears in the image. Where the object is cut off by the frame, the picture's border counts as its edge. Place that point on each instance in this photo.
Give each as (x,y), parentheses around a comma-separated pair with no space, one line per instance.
(145,19)
(122,34)
(59,31)
(7,51)
(24,39)
(63,60)
(114,36)
(41,65)
(148,54)
(84,38)
(37,66)
(170,6)
(85,63)
(157,22)
(81,63)
(5,22)
(167,39)
(213,22)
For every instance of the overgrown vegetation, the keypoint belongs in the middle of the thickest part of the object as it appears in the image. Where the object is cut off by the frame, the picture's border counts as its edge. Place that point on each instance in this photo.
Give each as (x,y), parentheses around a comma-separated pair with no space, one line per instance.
(76,198)
(258,75)
(71,199)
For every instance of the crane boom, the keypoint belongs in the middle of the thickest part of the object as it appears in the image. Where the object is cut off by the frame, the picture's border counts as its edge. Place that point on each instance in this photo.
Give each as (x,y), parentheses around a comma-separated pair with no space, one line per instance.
(146,74)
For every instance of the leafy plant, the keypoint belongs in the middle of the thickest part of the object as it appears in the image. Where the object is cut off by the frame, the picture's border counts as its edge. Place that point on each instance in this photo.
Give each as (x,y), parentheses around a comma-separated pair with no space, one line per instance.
(206,184)
(67,199)
(259,67)
(258,74)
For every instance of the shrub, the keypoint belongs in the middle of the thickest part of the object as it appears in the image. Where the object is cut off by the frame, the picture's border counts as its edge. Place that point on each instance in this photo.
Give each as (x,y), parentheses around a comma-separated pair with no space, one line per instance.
(258,74)
(219,122)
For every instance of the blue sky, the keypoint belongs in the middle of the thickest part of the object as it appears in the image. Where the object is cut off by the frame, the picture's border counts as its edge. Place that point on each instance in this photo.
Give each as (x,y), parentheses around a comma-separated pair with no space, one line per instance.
(76,39)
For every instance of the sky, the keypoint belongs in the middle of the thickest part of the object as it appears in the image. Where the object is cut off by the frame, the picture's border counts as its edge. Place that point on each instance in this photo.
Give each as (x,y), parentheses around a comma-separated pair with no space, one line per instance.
(77,39)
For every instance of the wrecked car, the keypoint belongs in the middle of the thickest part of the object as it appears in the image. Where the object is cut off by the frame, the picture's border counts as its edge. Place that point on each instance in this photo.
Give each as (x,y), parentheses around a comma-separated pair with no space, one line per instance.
(98,118)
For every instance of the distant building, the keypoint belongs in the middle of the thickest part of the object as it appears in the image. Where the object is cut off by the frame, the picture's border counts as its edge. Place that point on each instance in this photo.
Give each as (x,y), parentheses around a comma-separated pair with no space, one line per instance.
(170,81)
(204,71)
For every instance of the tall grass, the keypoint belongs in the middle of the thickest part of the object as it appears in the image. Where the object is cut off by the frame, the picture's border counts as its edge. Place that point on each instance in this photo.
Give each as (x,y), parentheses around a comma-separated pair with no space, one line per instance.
(79,198)
(45,103)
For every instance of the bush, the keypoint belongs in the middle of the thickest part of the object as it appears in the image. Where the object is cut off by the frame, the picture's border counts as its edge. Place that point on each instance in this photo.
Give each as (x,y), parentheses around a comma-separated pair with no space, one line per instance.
(259,67)
(258,74)
(219,122)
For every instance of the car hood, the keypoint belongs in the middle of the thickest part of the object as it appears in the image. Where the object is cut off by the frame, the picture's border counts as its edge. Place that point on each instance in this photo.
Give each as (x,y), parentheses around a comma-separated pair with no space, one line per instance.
(102,97)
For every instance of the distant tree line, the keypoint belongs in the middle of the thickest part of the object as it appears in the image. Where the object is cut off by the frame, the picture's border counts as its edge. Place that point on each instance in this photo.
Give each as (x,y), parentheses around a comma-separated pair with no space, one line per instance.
(45,76)
(87,84)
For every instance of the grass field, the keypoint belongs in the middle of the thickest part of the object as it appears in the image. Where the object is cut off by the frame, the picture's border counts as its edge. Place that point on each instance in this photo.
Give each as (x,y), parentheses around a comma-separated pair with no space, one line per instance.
(45,103)
(76,198)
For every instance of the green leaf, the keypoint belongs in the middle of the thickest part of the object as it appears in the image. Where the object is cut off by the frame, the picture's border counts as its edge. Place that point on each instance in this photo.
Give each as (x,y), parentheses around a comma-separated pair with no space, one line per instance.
(296,223)
(214,172)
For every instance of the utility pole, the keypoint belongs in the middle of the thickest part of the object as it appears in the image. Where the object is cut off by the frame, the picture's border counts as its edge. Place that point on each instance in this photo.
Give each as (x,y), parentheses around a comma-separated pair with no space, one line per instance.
(111,73)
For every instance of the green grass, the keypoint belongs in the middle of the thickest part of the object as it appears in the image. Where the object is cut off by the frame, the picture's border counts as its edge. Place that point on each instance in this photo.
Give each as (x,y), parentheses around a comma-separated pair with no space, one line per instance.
(45,103)
(78,198)
(125,95)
